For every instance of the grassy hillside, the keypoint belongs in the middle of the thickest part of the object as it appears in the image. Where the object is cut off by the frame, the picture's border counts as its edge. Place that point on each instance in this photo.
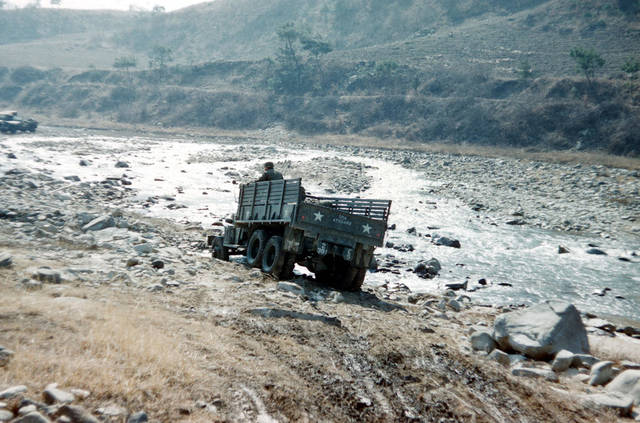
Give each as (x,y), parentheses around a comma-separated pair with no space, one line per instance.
(433,70)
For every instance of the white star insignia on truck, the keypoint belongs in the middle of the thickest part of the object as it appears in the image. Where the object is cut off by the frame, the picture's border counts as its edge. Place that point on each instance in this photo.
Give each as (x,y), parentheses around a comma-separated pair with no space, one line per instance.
(366,229)
(318,216)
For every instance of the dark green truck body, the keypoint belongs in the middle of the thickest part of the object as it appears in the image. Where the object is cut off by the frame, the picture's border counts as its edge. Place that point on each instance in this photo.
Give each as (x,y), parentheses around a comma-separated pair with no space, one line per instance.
(276,225)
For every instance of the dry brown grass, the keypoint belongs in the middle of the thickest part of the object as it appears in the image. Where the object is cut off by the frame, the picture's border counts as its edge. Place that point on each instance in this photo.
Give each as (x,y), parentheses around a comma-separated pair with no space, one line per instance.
(132,354)
(615,349)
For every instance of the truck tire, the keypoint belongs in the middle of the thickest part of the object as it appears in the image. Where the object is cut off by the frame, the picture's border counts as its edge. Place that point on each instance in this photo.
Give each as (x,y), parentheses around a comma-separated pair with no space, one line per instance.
(274,257)
(218,250)
(255,247)
(356,276)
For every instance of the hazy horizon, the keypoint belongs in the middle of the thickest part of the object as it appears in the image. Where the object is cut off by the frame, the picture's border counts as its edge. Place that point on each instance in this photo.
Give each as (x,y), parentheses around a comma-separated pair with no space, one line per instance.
(169,5)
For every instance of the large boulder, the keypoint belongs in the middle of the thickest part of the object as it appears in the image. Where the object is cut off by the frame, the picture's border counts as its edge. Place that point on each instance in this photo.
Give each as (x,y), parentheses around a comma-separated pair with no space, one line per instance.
(627,383)
(541,331)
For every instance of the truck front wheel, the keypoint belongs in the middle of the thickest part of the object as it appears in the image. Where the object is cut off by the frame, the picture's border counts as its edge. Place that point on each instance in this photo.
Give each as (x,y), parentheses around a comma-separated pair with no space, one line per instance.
(218,249)
(255,247)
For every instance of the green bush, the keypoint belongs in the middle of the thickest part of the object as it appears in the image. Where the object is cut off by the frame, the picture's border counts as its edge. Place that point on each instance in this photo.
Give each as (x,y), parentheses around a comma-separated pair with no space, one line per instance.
(631,66)
(27,74)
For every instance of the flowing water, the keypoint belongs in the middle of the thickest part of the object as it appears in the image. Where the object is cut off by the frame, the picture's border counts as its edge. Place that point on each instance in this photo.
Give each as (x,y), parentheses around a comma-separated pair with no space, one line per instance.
(520,264)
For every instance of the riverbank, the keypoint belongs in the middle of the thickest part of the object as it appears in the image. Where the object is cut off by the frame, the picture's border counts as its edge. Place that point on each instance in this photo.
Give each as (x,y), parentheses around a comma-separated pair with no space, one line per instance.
(104,298)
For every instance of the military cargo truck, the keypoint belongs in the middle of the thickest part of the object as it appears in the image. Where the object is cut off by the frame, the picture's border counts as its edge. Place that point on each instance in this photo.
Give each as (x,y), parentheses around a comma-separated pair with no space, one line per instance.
(276,226)
(10,123)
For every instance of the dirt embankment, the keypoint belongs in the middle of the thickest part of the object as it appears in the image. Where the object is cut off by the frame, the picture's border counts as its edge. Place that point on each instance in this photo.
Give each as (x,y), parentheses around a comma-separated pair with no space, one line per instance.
(131,315)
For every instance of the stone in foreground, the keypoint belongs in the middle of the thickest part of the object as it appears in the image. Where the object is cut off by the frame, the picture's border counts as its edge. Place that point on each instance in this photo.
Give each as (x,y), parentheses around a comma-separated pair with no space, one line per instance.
(562,361)
(601,373)
(621,403)
(535,373)
(627,383)
(501,357)
(5,356)
(139,417)
(77,414)
(5,415)
(13,392)
(54,396)
(482,341)
(34,417)
(541,331)
(99,223)
(6,260)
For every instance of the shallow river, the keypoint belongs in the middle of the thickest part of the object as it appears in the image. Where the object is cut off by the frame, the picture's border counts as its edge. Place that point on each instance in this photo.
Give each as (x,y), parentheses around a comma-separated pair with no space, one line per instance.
(193,173)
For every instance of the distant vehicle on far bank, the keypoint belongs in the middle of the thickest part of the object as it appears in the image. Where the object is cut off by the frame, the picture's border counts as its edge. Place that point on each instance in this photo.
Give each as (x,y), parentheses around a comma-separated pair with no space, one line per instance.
(10,123)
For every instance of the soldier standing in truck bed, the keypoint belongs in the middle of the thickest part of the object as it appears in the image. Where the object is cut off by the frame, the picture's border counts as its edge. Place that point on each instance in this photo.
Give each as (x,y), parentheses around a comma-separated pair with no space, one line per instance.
(270,174)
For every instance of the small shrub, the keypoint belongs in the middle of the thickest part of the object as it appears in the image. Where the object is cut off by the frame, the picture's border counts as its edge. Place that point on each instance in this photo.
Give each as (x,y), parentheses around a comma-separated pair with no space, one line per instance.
(9,92)
(524,70)
(27,74)
(631,66)
(629,7)
(588,61)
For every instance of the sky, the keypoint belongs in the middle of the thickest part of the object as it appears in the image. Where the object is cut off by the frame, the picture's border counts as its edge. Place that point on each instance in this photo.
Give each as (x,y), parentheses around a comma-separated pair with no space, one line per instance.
(169,5)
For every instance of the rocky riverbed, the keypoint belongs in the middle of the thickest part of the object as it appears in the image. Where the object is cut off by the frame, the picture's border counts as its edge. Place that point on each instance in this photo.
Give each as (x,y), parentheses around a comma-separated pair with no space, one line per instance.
(111,310)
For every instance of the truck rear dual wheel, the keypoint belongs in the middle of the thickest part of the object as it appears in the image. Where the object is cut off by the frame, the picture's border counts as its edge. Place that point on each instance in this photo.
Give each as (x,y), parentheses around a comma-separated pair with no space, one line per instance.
(255,247)
(342,275)
(275,260)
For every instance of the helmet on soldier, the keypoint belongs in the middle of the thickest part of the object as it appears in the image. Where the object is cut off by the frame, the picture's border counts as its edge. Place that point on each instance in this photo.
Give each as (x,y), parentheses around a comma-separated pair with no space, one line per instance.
(268,165)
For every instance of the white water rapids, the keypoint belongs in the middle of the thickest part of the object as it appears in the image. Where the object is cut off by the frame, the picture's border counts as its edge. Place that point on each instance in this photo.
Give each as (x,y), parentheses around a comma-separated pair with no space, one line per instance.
(525,258)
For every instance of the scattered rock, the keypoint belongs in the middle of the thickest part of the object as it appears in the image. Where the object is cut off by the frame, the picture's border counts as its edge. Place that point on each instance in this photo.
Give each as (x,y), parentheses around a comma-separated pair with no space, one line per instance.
(34,417)
(601,373)
(80,393)
(457,286)
(121,164)
(157,264)
(621,403)
(629,365)
(48,276)
(629,330)
(84,163)
(601,324)
(144,248)
(541,331)
(6,260)
(562,361)
(99,223)
(139,417)
(112,411)
(563,250)
(454,305)
(446,242)
(535,373)
(77,414)
(12,392)
(482,341)
(290,287)
(53,395)
(27,409)
(428,269)
(133,262)
(626,383)
(584,360)
(5,356)
(5,415)
(516,222)
(501,357)
(596,251)
(280,313)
